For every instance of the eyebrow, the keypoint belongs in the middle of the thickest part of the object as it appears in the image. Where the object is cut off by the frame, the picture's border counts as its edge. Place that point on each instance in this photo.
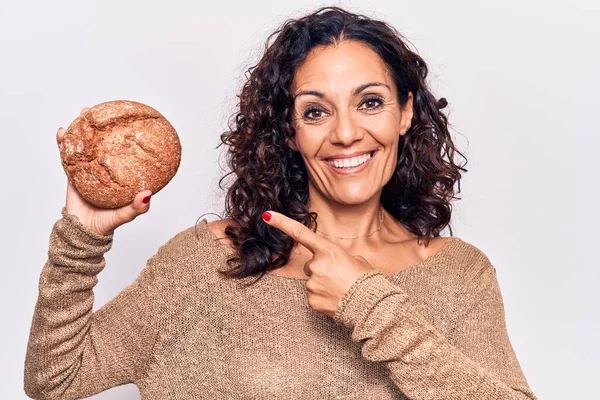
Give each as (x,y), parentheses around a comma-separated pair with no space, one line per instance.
(354,92)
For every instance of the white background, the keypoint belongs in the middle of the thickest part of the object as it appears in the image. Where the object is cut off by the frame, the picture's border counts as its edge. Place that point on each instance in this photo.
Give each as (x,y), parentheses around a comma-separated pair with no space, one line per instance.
(522,82)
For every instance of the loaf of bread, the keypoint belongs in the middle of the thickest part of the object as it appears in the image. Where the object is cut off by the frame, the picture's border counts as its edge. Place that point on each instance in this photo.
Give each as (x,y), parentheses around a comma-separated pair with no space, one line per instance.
(116,149)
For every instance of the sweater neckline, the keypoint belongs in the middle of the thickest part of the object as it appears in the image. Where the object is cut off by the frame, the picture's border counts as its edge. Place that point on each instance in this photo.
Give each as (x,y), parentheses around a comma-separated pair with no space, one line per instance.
(441,252)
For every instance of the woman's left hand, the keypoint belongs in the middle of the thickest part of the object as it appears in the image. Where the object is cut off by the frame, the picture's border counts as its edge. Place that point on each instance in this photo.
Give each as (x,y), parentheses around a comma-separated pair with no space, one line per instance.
(331,270)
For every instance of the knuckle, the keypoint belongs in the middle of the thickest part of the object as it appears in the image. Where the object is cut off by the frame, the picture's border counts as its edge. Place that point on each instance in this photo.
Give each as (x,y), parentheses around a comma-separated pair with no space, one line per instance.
(298,232)
(310,286)
(315,265)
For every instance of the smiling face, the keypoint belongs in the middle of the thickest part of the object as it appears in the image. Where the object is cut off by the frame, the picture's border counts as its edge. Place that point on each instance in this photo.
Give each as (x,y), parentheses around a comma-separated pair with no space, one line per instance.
(346,104)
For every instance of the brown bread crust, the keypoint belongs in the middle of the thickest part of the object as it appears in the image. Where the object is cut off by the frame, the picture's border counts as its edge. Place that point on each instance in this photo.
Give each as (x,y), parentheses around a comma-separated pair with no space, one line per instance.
(116,149)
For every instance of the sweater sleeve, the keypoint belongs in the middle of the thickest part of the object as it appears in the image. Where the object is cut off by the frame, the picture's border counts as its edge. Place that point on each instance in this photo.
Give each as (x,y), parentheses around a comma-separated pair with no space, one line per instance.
(73,352)
(477,362)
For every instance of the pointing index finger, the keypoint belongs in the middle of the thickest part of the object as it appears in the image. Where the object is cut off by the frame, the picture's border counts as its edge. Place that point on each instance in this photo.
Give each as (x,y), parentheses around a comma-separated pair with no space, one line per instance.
(296,231)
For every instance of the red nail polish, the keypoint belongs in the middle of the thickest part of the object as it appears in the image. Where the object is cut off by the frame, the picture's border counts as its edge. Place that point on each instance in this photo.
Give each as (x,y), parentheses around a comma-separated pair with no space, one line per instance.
(266,216)
(146,199)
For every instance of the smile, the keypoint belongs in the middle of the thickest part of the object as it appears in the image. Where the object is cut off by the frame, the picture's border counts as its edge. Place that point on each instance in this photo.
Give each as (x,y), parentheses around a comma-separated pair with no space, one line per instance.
(351,165)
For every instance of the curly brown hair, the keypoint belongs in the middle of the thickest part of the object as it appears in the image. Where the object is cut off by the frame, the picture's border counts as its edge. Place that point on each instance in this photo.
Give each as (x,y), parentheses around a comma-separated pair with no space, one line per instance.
(269,175)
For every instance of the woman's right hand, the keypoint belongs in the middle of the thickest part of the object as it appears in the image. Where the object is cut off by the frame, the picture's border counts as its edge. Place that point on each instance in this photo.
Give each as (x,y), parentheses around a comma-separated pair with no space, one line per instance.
(102,221)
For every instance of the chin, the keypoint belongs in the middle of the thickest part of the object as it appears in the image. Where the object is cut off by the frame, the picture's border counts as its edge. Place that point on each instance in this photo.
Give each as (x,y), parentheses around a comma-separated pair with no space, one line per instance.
(353,199)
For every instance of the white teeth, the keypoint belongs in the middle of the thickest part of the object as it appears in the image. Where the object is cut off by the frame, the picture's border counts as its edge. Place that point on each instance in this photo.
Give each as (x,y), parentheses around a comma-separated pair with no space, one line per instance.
(350,162)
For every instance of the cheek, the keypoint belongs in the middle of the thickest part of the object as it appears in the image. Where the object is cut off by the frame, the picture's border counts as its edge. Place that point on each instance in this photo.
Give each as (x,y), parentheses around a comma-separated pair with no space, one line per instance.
(308,140)
(385,131)
(384,127)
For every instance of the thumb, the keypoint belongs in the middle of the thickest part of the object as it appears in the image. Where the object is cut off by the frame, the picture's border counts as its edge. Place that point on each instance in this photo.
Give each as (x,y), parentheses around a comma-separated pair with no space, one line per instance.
(137,207)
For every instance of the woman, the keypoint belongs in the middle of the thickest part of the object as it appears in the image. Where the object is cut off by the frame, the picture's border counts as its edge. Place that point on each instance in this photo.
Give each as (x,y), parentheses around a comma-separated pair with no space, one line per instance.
(336,126)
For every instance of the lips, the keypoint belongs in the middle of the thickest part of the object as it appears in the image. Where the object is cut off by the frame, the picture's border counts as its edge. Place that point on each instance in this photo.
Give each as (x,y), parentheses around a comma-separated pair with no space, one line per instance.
(341,156)
(351,170)
(350,162)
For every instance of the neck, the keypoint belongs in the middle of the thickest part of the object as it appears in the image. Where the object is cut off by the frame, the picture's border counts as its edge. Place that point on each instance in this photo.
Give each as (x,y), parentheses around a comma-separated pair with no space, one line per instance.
(337,221)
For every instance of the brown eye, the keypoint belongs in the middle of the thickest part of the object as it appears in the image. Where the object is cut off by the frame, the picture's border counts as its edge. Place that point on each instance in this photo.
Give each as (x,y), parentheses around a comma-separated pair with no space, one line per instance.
(313,113)
(372,103)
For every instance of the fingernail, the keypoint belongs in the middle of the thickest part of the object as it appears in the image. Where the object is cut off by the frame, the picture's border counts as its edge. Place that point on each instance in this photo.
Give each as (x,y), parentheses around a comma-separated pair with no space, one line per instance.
(266,216)
(146,199)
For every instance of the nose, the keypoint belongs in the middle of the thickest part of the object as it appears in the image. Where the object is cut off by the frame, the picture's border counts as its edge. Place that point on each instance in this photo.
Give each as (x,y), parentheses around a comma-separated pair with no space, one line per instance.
(346,130)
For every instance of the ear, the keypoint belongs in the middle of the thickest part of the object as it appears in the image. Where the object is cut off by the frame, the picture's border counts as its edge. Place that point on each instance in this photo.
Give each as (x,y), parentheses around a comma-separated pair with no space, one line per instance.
(406,115)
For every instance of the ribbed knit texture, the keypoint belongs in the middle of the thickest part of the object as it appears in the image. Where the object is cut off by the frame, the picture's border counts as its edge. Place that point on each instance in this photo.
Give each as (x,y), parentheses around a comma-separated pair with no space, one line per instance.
(182,331)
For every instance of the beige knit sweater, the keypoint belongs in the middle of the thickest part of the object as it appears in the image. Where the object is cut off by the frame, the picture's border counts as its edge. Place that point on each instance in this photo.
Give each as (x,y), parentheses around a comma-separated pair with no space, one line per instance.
(182,331)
